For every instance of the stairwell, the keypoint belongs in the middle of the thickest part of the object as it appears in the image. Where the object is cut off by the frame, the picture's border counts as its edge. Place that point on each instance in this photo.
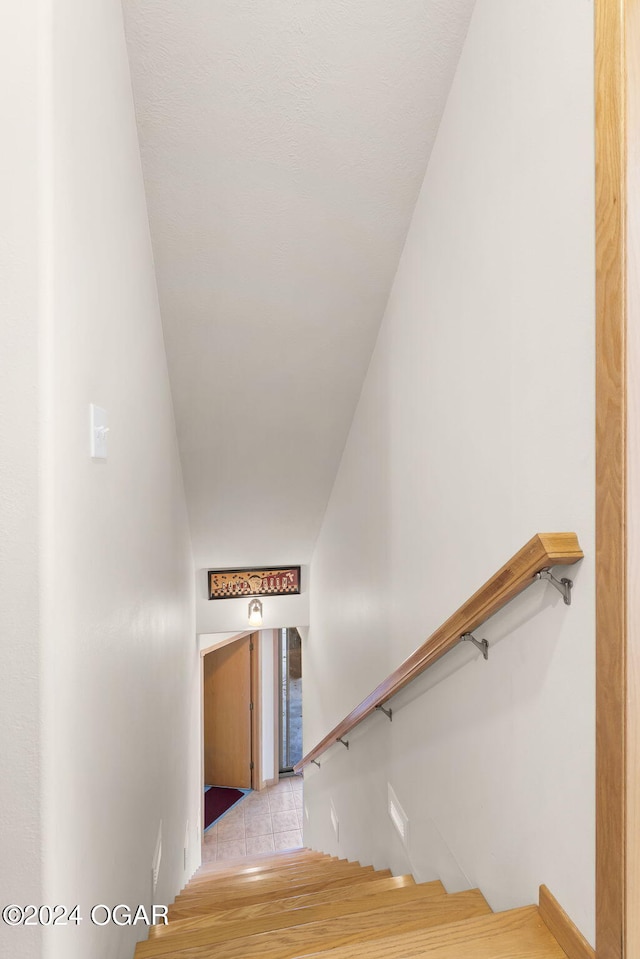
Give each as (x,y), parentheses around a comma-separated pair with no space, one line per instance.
(303,903)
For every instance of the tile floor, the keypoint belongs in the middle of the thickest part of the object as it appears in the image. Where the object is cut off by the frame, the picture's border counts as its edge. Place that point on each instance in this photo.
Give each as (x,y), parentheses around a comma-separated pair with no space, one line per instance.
(265,821)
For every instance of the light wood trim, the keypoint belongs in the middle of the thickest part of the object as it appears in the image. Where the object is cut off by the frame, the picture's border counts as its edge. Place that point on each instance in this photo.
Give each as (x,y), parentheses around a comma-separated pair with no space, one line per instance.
(275,639)
(611,477)
(632,698)
(256,715)
(558,922)
(544,550)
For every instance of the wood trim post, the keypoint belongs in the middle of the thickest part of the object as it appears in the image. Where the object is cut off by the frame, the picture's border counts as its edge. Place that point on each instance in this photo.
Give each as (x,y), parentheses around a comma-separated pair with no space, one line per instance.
(256,715)
(564,930)
(632,691)
(275,639)
(617,78)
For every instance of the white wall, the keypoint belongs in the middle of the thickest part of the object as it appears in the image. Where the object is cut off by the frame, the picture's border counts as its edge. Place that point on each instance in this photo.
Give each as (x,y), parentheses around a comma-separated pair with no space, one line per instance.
(20,772)
(475,429)
(120,657)
(222,615)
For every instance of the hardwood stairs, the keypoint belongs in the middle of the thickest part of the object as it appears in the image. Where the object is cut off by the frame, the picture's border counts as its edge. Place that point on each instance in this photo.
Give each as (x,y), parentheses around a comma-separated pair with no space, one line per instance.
(303,903)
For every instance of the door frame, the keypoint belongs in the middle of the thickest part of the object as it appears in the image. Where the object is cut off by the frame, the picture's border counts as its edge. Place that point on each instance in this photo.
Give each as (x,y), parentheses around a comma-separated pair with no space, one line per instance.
(256,713)
(617,97)
(278,641)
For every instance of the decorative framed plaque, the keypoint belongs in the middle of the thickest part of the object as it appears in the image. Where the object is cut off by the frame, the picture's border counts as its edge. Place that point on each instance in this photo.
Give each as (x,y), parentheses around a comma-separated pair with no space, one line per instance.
(254,581)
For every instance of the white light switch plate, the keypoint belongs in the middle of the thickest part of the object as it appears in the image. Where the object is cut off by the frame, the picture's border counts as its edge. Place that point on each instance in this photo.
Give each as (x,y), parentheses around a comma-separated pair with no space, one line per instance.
(99,430)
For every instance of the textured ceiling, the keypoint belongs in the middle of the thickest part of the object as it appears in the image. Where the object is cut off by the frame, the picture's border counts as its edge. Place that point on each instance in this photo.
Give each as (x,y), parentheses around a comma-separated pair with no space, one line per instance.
(283,145)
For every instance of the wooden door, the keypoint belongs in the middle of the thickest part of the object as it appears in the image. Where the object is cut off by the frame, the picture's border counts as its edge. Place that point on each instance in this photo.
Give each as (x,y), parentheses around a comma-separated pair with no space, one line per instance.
(227,715)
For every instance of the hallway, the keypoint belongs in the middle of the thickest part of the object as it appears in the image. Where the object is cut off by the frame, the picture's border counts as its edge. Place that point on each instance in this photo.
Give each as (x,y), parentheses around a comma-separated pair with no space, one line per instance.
(266,821)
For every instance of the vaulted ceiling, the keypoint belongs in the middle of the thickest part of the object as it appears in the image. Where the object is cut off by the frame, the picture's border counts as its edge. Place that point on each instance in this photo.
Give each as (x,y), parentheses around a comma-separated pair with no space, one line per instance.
(283,145)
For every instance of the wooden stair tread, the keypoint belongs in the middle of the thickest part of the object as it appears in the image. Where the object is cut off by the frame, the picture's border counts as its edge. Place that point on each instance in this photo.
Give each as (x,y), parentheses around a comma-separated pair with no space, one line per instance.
(258,893)
(273,877)
(239,869)
(283,873)
(263,861)
(271,906)
(515,934)
(219,930)
(266,859)
(279,887)
(300,904)
(302,940)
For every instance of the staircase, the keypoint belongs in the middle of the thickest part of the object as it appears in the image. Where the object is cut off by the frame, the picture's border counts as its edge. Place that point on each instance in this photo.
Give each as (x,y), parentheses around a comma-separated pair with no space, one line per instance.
(301,903)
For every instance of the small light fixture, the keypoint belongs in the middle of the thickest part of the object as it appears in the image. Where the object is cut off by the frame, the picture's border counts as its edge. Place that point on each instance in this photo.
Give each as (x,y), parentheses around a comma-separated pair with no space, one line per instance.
(255,613)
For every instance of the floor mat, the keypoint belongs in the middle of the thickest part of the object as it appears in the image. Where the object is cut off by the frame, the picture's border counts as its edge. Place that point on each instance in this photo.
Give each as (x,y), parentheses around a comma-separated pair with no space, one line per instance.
(217,799)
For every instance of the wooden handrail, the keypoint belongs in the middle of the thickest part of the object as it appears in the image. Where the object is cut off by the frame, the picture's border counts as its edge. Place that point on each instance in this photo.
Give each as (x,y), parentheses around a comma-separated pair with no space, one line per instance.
(542,552)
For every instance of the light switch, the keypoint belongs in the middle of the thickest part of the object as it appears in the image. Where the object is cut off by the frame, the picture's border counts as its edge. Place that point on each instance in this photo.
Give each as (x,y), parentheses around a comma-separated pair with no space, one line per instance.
(99,430)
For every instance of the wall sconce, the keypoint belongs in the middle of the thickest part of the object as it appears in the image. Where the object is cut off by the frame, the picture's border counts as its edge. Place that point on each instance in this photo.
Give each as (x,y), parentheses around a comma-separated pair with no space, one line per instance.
(255,613)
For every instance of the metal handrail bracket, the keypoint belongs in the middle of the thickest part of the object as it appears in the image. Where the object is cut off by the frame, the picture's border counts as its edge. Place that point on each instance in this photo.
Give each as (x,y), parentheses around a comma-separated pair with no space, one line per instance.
(529,565)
